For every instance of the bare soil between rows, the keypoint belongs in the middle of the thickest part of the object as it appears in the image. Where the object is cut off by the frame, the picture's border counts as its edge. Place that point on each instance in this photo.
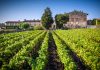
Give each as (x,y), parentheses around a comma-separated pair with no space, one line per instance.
(54,62)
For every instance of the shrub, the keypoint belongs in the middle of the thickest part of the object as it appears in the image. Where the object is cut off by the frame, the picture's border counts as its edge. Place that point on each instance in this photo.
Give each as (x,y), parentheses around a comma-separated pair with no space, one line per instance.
(98,22)
(66,28)
(38,27)
(5,67)
(24,25)
(6,55)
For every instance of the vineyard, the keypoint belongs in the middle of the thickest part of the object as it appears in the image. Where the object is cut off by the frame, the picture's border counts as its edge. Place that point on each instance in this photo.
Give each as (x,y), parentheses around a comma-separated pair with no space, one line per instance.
(76,49)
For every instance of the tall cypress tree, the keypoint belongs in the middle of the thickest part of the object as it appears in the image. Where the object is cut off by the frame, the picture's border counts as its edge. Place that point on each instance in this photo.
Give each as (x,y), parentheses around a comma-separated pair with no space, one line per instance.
(47,18)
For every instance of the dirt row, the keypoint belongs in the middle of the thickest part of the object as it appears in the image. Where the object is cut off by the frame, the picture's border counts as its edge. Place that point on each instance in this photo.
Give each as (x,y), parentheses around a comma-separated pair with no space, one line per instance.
(54,62)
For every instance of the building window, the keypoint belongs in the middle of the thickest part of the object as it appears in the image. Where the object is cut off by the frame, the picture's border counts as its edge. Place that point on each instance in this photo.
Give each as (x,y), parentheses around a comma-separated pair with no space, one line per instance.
(84,19)
(77,19)
(72,19)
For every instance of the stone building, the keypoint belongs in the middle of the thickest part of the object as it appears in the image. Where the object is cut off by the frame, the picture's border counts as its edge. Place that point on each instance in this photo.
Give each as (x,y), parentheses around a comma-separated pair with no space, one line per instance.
(30,22)
(12,23)
(2,25)
(33,22)
(77,19)
(53,26)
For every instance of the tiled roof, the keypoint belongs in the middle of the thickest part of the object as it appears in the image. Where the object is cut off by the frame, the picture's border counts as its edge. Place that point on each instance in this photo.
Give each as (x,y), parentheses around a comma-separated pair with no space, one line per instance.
(31,20)
(23,21)
(13,21)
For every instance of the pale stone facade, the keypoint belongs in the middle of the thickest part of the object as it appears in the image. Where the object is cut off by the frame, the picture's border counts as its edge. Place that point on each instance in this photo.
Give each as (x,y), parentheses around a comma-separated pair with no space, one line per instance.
(77,19)
(12,23)
(54,25)
(33,22)
(30,22)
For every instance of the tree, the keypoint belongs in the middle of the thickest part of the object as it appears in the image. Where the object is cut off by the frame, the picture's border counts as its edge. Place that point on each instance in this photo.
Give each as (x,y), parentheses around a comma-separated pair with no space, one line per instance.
(47,18)
(94,22)
(24,25)
(61,19)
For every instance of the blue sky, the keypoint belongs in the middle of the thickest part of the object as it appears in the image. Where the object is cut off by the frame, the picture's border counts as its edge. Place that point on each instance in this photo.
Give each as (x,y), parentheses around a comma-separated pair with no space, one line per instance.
(33,9)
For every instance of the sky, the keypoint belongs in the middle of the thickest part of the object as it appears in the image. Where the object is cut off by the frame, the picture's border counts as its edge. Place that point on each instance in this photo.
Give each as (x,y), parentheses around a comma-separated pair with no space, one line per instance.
(13,10)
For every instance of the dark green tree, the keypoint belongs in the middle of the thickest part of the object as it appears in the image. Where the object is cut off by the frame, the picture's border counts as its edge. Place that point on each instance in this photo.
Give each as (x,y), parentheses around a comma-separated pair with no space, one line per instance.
(61,19)
(47,18)
(94,22)
(98,23)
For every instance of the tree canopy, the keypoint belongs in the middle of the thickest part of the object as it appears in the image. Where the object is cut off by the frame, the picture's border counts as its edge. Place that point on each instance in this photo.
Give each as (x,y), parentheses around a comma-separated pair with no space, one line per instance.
(47,18)
(94,22)
(24,25)
(61,19)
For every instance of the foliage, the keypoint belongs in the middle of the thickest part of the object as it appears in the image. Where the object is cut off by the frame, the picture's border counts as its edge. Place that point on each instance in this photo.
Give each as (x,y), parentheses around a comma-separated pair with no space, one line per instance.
(38,27)
(14,46)
(94,22)
(61,19)
(13,39)
(85,43)
(98,22)
(24,25)
(66,28)
(5,67)
(16,49)
(63,54)
(11,27)
(25,53)
(47,18)
(43,53)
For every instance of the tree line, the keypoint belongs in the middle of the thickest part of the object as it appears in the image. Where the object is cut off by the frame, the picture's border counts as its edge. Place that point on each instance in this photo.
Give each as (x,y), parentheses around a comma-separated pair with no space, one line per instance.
(47,19)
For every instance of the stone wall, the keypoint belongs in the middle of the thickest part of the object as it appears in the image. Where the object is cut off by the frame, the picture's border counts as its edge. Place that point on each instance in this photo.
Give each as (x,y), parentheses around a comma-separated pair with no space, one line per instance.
(77,19)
